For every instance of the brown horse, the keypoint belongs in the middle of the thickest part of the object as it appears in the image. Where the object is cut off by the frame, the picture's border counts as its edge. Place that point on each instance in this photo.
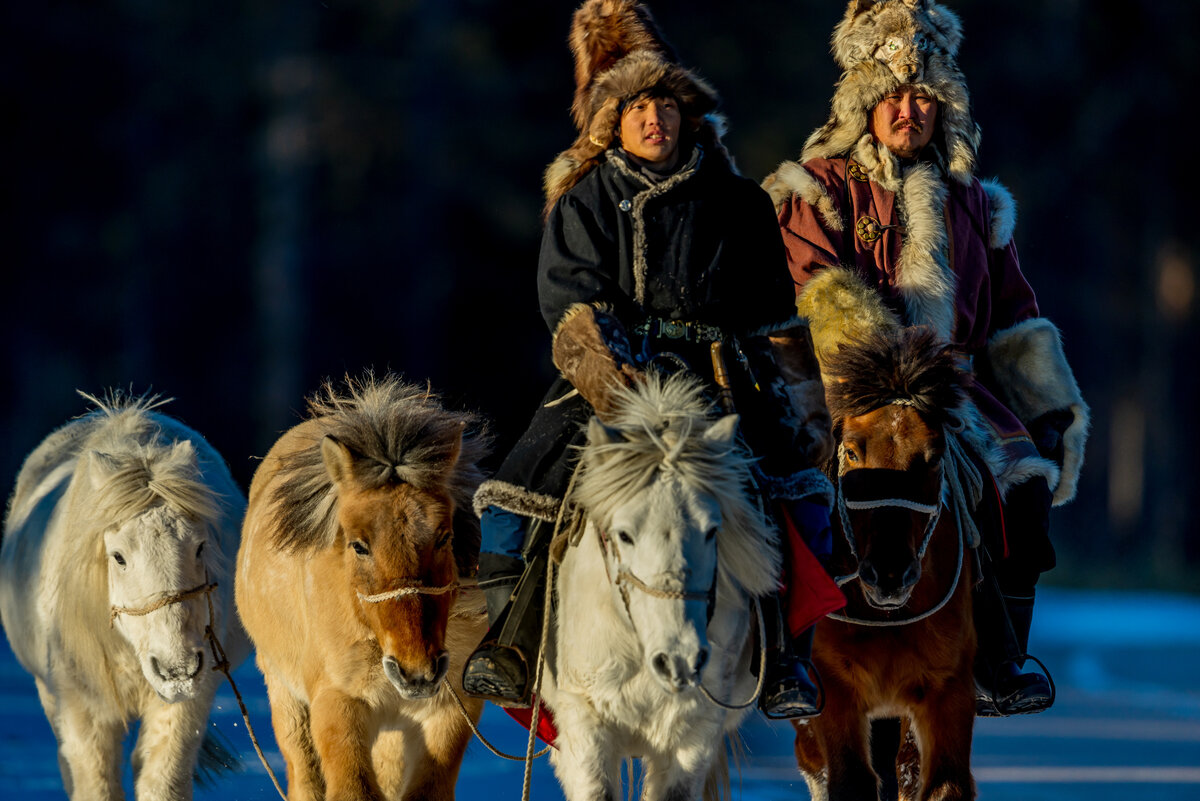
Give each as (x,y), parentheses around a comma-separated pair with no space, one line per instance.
(904,646)
(348,584)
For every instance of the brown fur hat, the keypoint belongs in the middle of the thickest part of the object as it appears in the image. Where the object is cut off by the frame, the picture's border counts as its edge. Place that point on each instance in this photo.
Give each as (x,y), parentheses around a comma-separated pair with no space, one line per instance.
(619,55)
(882,44)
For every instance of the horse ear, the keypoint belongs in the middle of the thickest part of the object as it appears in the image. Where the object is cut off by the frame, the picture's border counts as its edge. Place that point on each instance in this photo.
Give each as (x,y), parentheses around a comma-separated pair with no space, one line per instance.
(338,459)
(857,7)
(723,431)
(182,449)
(600,434)
(101,468)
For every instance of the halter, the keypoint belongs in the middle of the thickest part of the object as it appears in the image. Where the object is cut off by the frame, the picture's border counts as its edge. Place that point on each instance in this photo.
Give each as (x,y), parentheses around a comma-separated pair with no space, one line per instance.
(626,578)
(409,589)
(165,599)
(934,511)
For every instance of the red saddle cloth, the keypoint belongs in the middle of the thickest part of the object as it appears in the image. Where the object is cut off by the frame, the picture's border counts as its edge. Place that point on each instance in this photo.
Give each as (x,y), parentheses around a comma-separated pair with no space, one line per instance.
(809,594)
(545,730)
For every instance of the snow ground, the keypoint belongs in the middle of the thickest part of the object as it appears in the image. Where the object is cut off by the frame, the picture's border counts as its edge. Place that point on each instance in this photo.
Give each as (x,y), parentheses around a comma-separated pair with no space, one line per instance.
(1127,721)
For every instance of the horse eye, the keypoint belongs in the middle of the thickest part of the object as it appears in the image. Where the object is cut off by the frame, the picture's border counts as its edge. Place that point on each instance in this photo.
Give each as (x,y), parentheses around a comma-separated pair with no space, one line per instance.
(708,535)
(851,456)
(624,537)
(444,538)
(120,560)
(199,550)
(360,547)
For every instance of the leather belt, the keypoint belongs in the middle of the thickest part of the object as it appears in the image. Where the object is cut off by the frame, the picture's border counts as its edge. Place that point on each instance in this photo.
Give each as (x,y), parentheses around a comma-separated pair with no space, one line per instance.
(679,329)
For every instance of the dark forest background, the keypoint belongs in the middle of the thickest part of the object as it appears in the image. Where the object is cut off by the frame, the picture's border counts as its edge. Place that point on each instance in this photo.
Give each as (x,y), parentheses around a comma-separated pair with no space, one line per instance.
(226,203)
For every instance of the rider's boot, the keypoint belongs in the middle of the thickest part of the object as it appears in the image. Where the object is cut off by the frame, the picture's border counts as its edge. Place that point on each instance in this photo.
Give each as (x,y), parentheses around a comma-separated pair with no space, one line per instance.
(788,689)
(1002,623)
(501,669)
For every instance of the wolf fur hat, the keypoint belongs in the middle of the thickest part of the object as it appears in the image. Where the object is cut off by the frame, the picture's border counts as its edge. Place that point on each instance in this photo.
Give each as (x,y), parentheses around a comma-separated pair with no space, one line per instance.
(619,55)
(882,44)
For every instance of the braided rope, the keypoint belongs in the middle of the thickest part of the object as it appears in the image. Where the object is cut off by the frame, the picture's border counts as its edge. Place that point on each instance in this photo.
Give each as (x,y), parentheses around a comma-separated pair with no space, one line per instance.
(410,589)
(164,600)
(627,576)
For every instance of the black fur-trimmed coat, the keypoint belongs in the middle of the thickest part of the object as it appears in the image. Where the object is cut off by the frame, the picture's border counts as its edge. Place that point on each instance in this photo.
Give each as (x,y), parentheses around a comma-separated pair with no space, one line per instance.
(699,245)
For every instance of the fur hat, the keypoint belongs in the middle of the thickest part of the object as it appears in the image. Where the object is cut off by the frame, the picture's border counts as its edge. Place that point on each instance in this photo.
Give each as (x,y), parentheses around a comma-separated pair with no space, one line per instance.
(619,55)
(882,44)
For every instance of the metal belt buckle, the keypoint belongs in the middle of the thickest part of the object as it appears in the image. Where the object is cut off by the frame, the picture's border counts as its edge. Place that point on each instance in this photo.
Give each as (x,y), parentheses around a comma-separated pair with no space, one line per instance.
(672,329)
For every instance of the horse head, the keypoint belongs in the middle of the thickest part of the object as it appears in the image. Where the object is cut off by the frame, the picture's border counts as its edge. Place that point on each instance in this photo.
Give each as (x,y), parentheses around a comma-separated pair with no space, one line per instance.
(664,487)
(891,397)
(396,533)
(158,558)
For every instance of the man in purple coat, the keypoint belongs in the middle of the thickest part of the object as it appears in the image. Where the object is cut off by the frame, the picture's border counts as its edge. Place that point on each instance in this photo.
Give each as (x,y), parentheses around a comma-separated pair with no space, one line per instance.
(884,196)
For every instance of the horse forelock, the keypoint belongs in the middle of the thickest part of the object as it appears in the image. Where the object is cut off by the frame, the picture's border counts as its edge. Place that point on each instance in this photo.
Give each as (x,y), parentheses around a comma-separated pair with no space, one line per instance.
(911,367)
(661,423)
(399,433)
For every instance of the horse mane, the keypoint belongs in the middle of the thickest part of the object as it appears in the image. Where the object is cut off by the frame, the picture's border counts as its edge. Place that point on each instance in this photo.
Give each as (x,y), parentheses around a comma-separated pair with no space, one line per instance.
(661,422)
(402,434)
(910,366)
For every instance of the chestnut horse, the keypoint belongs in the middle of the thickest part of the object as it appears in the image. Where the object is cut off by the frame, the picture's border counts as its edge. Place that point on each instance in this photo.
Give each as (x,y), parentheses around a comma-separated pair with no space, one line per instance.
(904,646)
(357,532)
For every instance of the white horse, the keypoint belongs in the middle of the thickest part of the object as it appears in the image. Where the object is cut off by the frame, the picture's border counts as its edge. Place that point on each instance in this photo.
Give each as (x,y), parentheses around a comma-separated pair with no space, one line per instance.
(655,600)
(117,547)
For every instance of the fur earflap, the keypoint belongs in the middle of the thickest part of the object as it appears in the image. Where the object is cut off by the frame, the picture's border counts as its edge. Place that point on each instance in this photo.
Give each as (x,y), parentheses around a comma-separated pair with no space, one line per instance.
(882,44)
(841,308)
(516,499)
(1034,378)
(620,54)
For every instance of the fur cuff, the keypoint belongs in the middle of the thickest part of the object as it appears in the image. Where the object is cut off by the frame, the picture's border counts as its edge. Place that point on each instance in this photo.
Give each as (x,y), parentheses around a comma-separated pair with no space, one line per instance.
(515,499)
(1004,213)
(811,483)
(839,308)
(792,179)
(1033,378)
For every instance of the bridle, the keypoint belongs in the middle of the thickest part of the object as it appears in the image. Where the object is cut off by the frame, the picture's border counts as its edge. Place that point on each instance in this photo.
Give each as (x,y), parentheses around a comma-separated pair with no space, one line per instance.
(934,513)
(164,599)
(626,578)
(414,588)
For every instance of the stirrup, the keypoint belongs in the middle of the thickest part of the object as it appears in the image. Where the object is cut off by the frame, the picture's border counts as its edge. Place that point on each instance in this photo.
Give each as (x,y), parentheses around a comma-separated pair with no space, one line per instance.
(500,674)
(1023,700)
(790,698)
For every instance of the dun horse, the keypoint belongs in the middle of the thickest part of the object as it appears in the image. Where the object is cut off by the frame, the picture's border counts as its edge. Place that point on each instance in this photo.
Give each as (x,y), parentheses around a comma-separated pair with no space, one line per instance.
(114,563)
(672,535)
(904,646)
(358,530)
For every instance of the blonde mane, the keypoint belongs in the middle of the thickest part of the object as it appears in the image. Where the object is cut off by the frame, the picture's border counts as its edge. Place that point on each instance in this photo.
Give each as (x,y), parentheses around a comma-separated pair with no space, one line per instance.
(402,433)
(660,423)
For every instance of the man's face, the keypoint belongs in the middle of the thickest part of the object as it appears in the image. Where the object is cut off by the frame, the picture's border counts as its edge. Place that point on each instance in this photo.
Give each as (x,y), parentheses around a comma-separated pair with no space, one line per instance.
(650,130)
(904,120)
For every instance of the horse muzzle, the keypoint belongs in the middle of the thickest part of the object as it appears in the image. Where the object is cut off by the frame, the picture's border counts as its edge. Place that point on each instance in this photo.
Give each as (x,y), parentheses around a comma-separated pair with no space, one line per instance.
(888,589)
(175,679)
(419,683)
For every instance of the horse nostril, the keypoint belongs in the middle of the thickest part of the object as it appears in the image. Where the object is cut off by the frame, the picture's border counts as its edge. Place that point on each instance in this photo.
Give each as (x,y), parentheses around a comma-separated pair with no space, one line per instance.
(199,664)
(701,660)
(661,665)
(912,575)
(395,673)
(441,668)
(867,572)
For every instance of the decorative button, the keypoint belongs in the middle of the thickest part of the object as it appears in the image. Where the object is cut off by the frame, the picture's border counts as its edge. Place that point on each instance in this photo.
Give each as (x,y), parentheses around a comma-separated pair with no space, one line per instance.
(868,229)
(856,171)
(624,205)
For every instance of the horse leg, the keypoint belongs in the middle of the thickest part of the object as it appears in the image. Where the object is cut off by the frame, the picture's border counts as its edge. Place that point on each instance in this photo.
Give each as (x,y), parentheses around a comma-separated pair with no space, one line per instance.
(680,777)
(290,721)
(843,733)
(342,733)
(943,733)
(167,745)
(586,765)
(811,760)
(89,747)
(433,754)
